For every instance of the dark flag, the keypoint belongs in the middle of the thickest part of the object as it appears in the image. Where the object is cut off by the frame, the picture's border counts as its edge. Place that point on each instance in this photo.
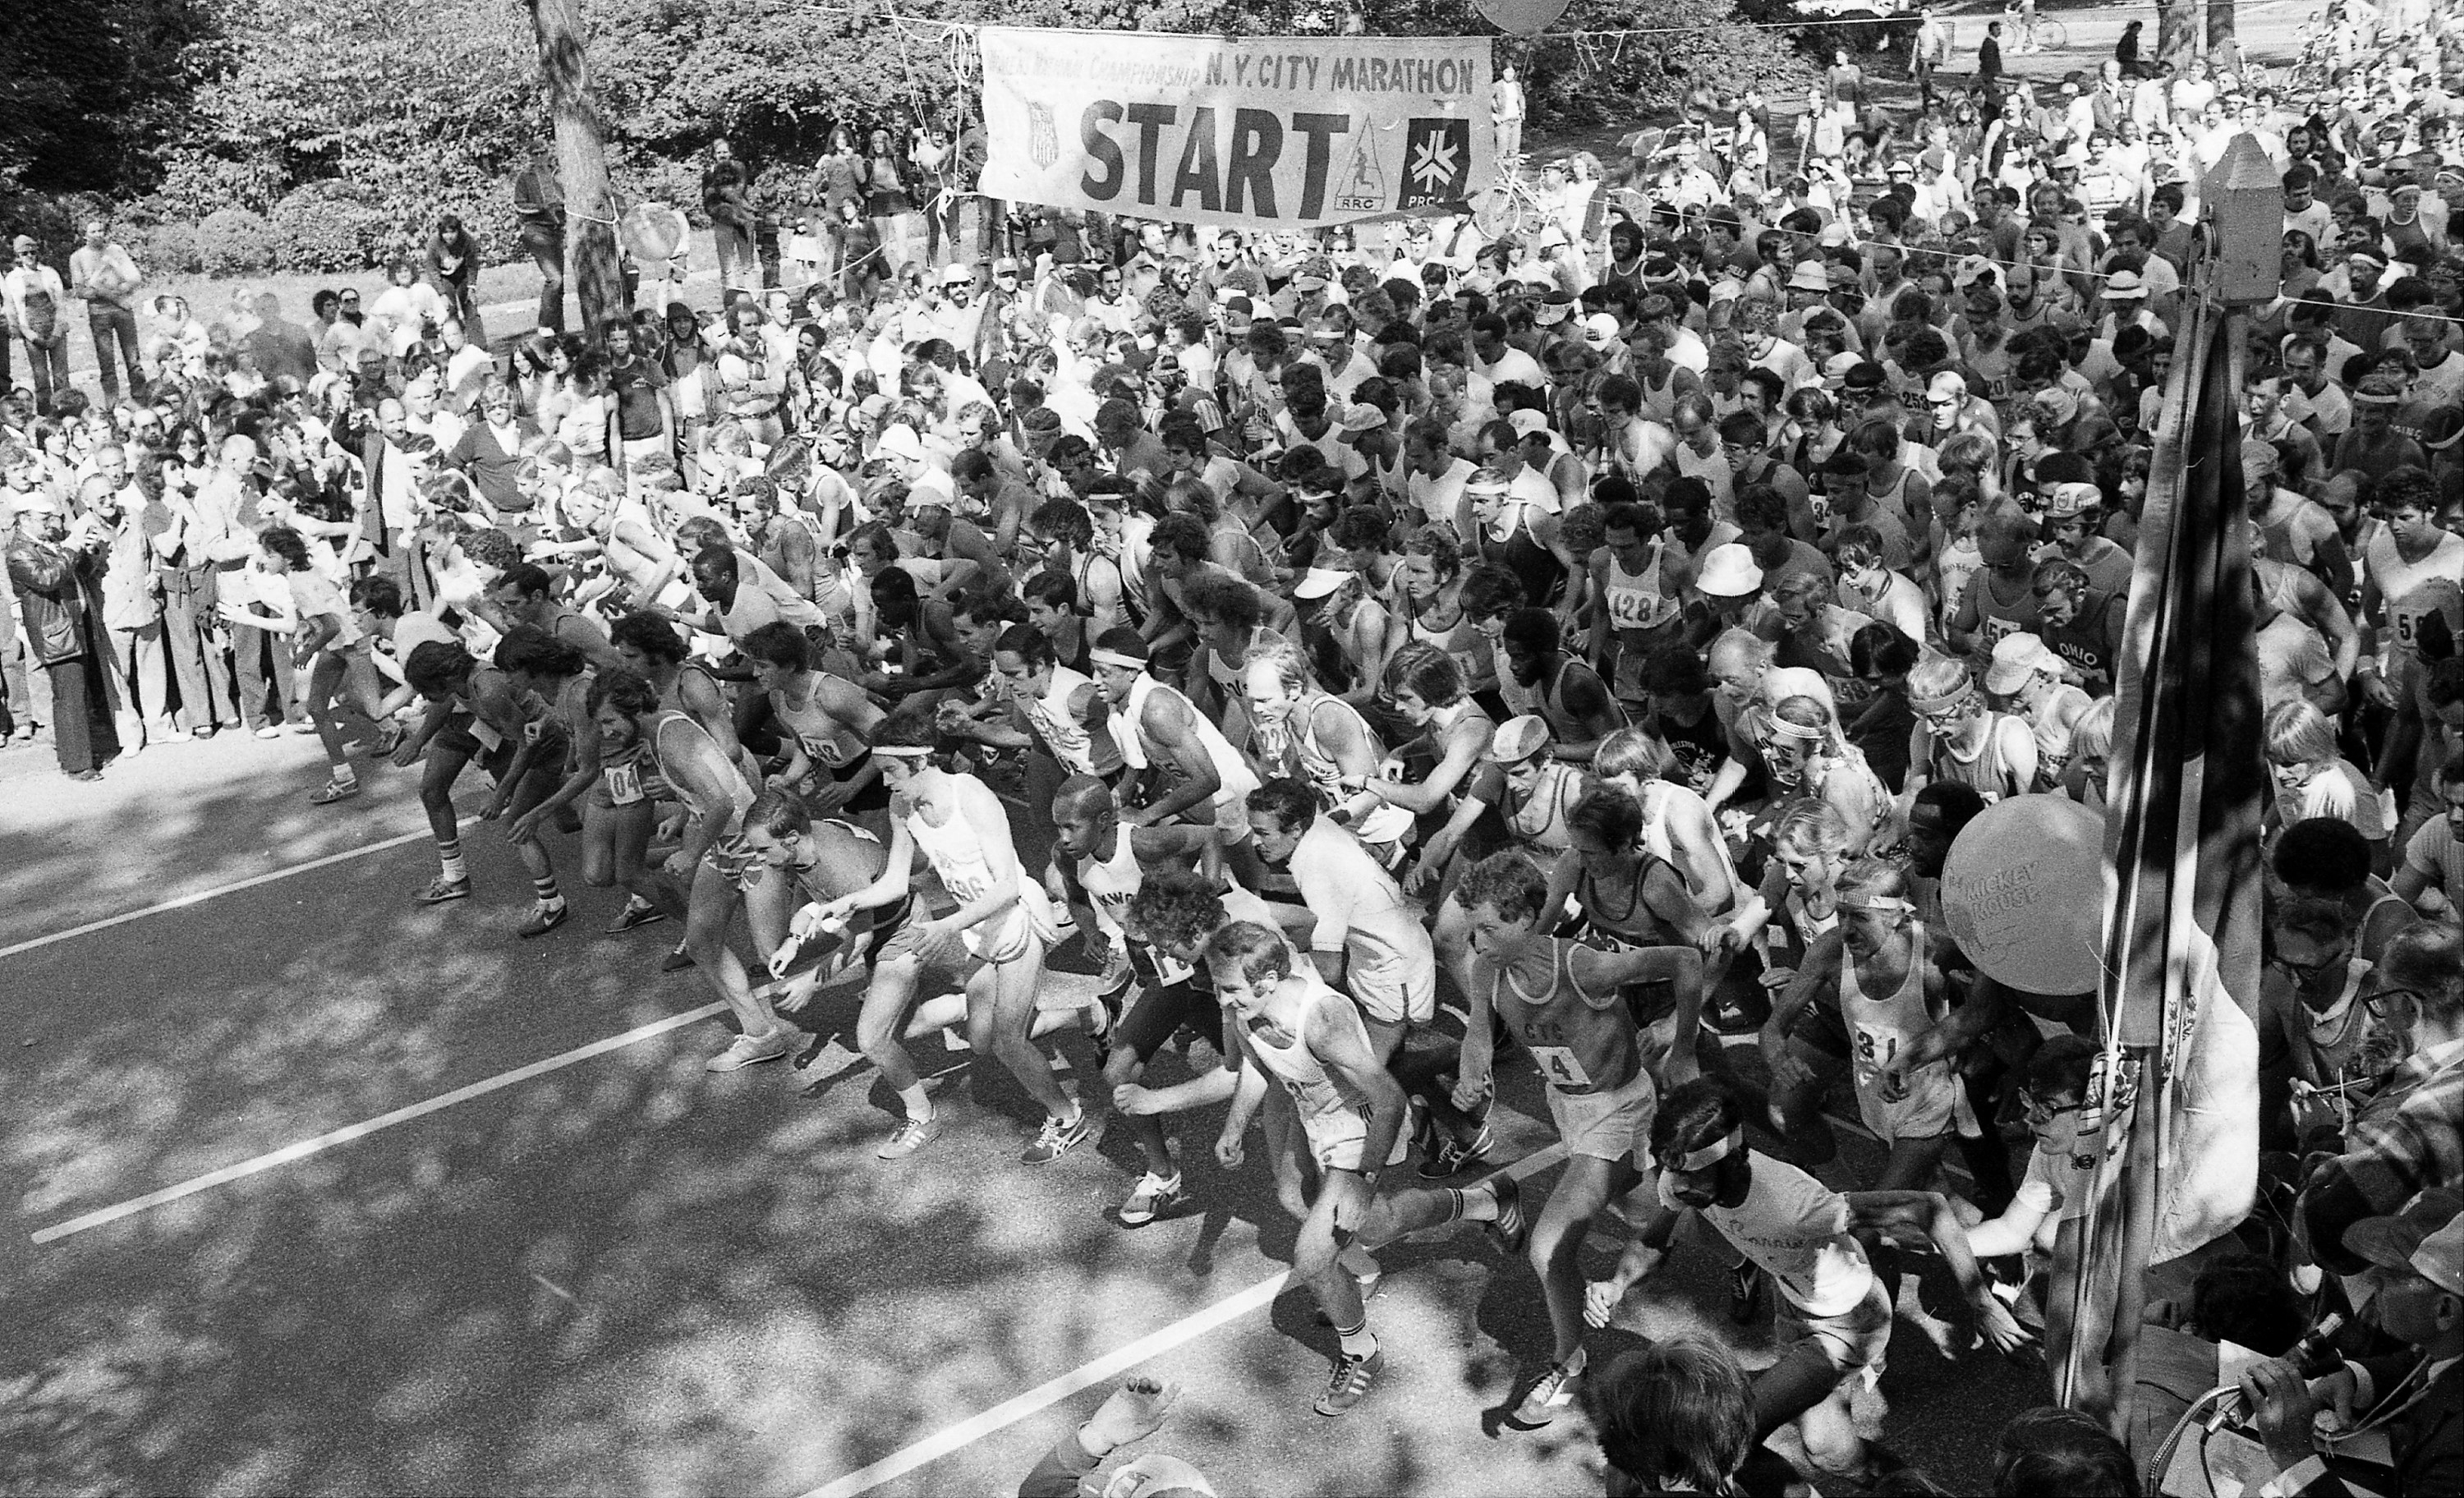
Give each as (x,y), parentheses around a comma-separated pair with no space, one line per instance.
(2176,1110)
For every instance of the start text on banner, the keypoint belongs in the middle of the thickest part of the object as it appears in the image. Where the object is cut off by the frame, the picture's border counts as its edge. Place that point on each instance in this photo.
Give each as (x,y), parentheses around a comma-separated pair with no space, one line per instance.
(1271,133)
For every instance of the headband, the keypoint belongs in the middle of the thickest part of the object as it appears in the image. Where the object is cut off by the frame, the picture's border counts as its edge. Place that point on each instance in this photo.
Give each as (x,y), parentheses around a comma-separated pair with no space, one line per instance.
(1782,728)
(1714,1152)
(1117,658)
(916,750)
(1874,902)
(1947,700)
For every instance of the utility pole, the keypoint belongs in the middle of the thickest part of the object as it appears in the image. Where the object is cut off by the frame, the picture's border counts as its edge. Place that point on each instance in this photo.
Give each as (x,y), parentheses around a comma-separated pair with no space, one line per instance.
(582,161)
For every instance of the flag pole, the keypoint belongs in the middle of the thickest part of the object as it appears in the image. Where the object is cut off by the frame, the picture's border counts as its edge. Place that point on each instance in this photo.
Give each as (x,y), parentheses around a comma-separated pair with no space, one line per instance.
(2171,1116)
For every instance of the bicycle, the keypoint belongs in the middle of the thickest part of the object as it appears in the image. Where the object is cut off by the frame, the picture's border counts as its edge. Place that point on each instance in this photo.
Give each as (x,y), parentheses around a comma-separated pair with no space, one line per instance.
(1510,208)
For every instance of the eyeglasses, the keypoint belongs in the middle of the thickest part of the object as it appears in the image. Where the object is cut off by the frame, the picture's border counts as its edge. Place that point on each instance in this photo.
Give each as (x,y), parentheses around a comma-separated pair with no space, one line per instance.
(2382,1005)
(2293,969)
(2037,1112)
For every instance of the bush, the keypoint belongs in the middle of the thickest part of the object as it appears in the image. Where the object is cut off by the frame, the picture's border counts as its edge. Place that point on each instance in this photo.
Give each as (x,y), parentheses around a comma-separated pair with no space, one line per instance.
(234,242)
(326,226)
(163,249)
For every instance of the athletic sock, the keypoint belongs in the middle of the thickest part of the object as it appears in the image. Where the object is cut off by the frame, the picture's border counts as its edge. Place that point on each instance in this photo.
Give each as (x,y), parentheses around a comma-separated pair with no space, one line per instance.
(1360,1341)
(547,888)
(1574,1362)
(449,861)
(345,774)
(1471,1204)
(918,1105)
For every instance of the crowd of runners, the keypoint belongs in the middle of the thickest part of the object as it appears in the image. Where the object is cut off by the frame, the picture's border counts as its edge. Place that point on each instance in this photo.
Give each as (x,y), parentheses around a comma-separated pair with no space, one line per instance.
(1385,668)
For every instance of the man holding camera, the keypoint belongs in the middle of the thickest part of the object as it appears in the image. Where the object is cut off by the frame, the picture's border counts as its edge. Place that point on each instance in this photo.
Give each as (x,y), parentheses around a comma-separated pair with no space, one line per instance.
(54,566)
(2405,1409)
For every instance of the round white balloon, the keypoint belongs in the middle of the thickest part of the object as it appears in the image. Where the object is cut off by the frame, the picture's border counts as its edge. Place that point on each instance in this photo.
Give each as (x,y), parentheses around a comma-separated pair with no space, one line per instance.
(1522,17)
(2023,891)
(653,230)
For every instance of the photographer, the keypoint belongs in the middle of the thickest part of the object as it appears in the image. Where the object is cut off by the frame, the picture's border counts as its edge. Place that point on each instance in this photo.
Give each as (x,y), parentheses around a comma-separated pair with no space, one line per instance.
(2411,1401)
(1135,1411)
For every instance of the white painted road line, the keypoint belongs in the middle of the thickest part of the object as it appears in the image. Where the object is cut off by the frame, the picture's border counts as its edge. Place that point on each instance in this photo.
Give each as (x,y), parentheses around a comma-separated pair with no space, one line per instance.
(1113,1364)
(361,1131)
(201,896)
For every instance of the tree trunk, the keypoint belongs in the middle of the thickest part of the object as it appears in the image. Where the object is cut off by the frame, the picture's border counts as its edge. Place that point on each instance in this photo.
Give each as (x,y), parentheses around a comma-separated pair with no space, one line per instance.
(582,159)
(2176,27)
(2224,48)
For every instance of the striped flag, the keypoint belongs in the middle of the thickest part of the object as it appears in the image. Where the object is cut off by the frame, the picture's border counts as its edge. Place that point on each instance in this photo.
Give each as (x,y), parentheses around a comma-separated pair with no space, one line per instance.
(2183,929)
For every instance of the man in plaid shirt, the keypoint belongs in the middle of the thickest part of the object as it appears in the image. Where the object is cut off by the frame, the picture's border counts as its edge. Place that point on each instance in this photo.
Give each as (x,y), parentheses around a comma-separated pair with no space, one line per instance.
(2410,1136)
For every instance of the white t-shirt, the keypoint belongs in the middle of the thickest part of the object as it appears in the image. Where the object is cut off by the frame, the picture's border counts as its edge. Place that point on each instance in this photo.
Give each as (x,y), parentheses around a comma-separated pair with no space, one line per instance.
(1361,912)
(1796,1229)
(1439,498)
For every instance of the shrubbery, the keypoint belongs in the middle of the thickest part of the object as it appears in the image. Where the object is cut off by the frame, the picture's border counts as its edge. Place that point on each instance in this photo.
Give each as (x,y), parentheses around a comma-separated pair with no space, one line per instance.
(234,242)
(327,226)
(162,249)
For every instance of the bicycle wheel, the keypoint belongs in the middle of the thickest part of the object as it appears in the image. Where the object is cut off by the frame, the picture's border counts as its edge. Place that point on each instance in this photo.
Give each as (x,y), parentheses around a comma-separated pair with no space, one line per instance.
(2052,35)
(1504,210)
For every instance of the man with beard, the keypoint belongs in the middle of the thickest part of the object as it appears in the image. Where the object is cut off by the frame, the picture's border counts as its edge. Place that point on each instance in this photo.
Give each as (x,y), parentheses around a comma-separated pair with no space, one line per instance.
(2410,1137)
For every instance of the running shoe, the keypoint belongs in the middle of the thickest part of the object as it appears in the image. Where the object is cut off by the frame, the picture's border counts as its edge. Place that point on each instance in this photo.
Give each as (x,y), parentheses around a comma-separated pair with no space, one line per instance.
(1450,1158)
(301,726)
(635,914)
(1059,1138)
(1348,1381)
(746,1050)
(1744,1292)
(1152,1198)
(1547,1399)
(333,791)
(441,889)
(911,1134)
(677,960)
(270,730)
(1512,1229)
(544,918)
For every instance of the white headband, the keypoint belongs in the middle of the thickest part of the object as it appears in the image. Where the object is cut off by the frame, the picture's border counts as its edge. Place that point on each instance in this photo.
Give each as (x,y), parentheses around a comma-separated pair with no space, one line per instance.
(1714,1152)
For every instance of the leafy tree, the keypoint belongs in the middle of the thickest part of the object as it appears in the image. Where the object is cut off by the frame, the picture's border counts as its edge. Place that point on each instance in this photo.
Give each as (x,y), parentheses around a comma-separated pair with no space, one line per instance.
(94,90)
(431,107)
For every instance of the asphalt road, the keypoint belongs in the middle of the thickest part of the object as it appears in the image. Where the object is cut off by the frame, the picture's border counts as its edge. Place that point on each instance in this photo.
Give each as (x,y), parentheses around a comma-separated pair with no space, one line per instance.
(625,1274)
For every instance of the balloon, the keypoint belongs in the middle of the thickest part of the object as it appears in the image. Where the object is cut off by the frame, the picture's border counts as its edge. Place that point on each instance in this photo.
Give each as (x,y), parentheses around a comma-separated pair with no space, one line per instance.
(1522,17)
(651,231)
(2023,891)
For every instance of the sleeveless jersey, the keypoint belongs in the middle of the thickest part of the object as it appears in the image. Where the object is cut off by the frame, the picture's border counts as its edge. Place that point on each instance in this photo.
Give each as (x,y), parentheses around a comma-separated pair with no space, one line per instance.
(1580,1049)
(1879,1029)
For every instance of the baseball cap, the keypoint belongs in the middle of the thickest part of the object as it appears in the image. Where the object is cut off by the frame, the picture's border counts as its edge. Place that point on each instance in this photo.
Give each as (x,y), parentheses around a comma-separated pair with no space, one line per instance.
(1362,416)
(1809,275)
(2016,657)
(1319,581)
(2124,286)
(1154,1475)
(1527,422)
(2071,499)
(1554,308)
(1729,571)
(2426,1237)
(901,442)
(1517,740)
(1601,329)
(1005,266)
(956,275)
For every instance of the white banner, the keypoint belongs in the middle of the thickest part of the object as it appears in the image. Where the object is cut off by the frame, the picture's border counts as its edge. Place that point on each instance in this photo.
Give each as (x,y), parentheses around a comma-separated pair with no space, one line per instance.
(1271,132)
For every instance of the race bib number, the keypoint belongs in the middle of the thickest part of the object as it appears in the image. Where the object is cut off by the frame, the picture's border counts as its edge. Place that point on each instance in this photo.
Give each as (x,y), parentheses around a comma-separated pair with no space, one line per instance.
(486,732)
(624,785)
(824,751)
(1996,630)
(1561,1067)
(1875,1052)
